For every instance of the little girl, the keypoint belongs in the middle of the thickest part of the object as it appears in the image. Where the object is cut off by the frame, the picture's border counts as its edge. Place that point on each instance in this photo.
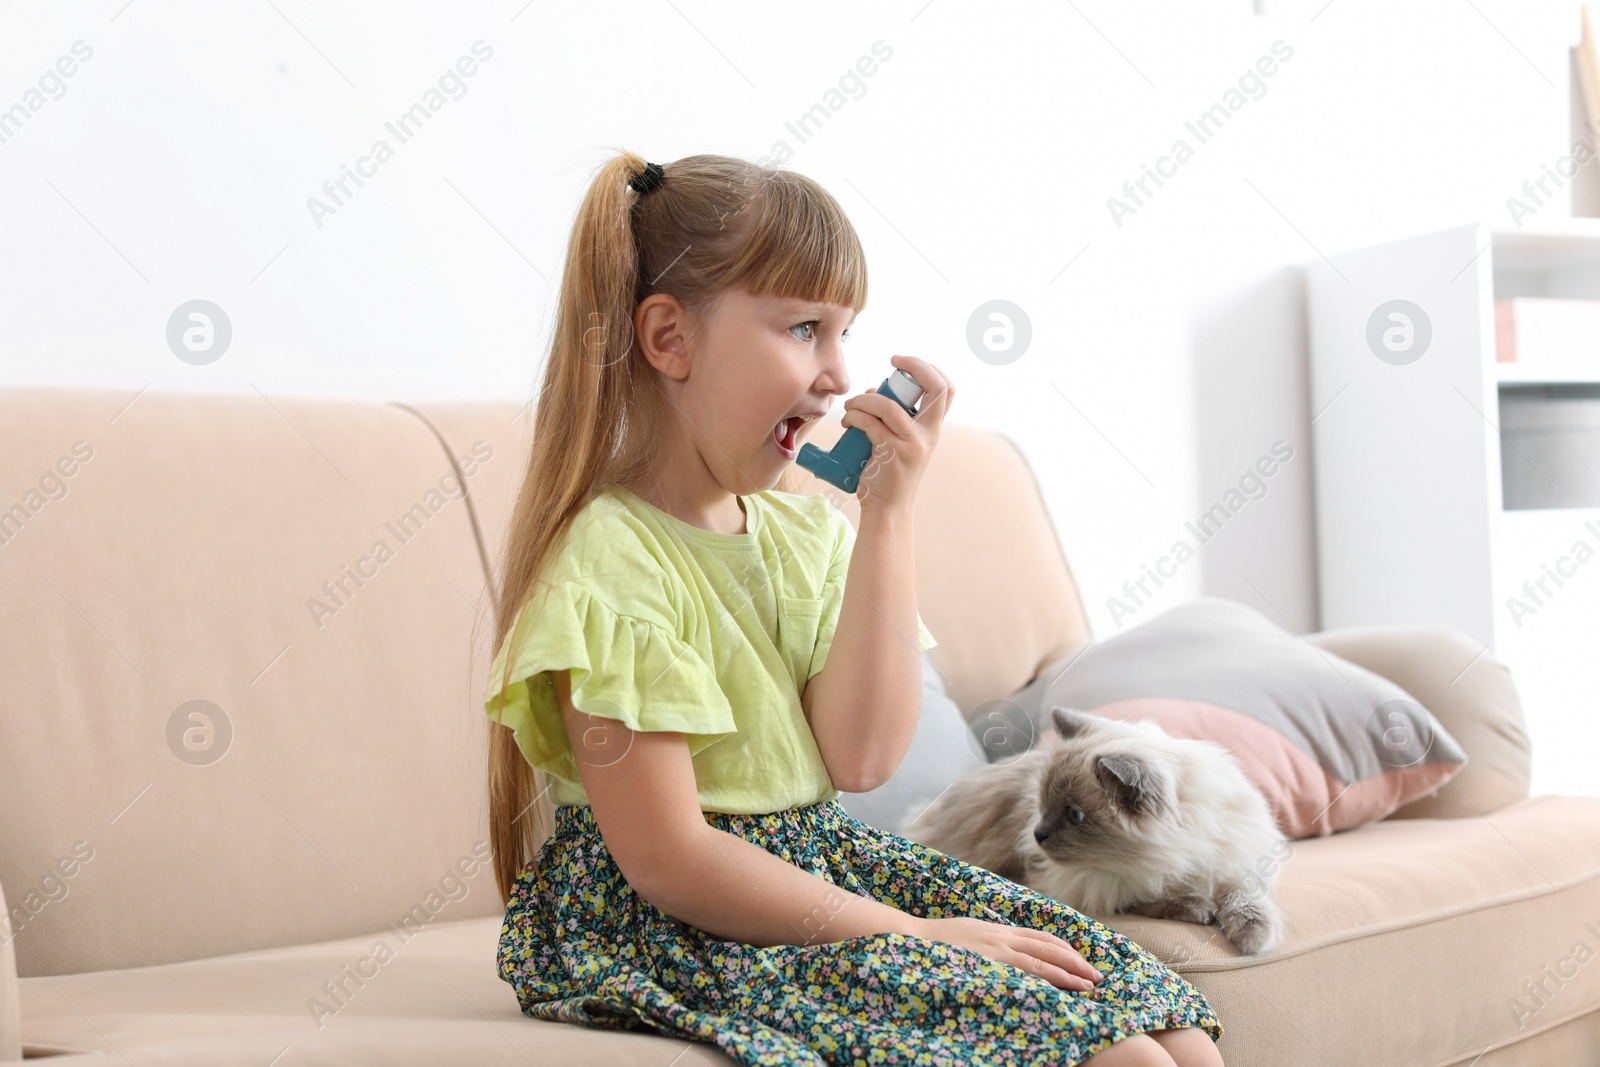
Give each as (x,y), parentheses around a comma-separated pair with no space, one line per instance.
(699,656)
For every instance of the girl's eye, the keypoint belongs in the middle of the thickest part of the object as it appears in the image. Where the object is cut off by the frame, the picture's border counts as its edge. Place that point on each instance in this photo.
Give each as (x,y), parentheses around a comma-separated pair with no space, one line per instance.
(814,323)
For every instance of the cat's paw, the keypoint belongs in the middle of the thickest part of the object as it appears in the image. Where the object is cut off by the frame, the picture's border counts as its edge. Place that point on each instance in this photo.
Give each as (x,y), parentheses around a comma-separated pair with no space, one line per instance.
(1189,908)
(1253,924)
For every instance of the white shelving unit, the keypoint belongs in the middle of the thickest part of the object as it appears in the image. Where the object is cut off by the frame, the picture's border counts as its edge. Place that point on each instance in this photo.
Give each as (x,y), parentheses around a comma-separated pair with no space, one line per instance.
(1407,459)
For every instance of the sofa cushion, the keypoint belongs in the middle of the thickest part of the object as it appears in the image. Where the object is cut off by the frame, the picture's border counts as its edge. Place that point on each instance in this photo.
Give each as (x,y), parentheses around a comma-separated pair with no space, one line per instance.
(433,999)
(1330,744)
(1408,942)
(1413,941)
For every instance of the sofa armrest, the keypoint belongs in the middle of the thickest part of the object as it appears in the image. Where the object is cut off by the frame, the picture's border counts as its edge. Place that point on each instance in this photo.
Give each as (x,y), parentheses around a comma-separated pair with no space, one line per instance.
(10,995)
(1471,694)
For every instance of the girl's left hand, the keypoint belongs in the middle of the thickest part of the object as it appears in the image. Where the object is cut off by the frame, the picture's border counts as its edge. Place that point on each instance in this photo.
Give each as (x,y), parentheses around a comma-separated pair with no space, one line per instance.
(901,445)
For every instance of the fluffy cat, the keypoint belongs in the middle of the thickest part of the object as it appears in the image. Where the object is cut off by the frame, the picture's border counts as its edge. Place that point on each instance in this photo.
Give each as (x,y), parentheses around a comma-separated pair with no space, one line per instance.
(1108,816)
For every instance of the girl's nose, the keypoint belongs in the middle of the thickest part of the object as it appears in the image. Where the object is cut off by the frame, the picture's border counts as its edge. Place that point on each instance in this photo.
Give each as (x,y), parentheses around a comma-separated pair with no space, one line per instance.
(835,377)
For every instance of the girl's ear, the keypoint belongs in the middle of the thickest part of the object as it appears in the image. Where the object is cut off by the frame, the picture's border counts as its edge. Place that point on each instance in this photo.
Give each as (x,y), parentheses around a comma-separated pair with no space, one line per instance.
(662,324)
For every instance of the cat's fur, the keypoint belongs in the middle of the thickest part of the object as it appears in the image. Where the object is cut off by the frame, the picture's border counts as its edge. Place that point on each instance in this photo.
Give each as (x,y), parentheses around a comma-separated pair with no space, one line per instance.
(1170,827)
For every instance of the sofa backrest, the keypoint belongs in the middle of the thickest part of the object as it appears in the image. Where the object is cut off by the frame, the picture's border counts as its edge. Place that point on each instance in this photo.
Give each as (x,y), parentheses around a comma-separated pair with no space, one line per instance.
(240,699)
(247,639)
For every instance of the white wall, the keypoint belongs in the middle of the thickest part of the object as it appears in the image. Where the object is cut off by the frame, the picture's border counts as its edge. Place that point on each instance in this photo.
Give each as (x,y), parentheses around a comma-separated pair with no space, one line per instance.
(976,162)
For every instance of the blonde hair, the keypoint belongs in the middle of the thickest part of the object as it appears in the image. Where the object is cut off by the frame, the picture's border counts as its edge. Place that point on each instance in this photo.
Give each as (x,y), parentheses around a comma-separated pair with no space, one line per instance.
(713,223)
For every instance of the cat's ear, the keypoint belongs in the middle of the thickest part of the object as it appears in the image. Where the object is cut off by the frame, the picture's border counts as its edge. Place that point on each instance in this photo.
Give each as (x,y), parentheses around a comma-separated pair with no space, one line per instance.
(1134,782)
(1070,722)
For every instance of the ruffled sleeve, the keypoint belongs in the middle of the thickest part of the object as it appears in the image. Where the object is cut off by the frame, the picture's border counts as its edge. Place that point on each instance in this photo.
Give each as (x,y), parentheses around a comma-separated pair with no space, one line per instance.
(623,668)
(844,542)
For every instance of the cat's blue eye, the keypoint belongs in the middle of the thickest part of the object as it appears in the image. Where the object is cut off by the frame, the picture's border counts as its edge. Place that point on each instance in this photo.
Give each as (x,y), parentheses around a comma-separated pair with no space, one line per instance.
(1075,815)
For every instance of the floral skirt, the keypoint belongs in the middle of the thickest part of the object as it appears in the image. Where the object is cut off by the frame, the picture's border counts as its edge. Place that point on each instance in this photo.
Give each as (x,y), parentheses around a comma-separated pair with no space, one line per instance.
(579,946)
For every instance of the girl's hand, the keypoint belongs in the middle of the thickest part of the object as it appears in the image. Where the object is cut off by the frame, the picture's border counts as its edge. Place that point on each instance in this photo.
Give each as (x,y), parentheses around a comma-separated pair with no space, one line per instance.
(1034,951)
(901,445)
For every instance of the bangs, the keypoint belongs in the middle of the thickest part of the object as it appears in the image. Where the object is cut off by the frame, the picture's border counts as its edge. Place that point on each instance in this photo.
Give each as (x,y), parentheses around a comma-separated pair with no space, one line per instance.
(800,245)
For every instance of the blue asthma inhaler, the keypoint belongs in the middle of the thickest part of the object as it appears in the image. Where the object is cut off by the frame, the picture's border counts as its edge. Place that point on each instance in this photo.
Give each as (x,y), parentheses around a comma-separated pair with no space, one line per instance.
(843,465)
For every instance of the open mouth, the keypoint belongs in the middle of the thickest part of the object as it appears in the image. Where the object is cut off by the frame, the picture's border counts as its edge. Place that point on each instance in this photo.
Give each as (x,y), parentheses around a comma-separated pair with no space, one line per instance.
(784,435)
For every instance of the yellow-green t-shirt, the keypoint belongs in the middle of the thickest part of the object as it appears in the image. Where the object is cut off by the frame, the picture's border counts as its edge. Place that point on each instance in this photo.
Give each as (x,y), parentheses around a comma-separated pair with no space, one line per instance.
(667,626)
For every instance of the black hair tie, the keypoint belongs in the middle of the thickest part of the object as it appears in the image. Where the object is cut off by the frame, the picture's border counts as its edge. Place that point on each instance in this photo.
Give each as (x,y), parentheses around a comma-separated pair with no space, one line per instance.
(647,179)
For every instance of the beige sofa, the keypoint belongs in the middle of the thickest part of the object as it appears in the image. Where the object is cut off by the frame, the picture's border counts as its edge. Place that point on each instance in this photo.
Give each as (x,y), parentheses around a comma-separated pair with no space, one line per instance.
(242,814)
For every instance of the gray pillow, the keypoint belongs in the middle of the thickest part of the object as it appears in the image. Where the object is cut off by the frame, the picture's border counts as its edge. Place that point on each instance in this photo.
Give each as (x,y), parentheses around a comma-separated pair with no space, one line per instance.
(1330,745)
(941,751)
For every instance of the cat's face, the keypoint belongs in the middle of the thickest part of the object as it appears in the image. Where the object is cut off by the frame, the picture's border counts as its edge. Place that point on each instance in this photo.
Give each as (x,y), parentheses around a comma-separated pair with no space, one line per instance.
(1104,787)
